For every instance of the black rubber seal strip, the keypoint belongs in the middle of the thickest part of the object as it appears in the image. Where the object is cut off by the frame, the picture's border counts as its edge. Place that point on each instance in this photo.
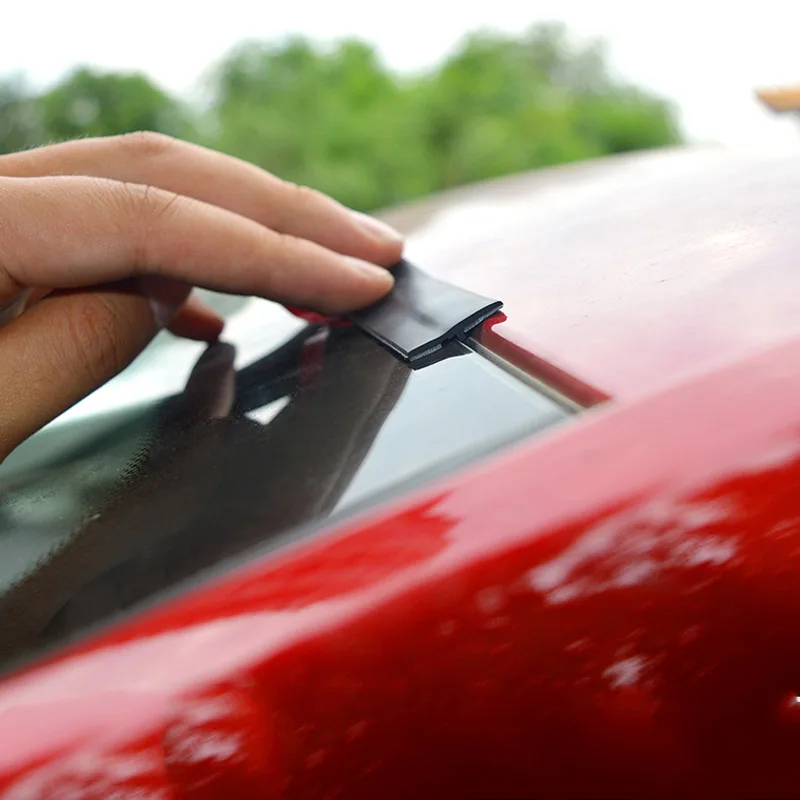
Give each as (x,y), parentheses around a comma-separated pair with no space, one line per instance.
(421,314)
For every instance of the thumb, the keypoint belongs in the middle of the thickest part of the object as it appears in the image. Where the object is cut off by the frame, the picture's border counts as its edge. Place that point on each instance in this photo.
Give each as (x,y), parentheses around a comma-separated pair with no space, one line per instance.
(63,348)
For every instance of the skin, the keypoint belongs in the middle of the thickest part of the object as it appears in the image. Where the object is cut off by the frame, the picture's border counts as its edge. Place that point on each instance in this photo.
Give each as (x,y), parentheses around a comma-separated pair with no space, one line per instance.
(102,240)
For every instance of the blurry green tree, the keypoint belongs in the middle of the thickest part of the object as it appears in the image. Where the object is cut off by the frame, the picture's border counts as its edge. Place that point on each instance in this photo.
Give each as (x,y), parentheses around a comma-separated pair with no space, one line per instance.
(335,118)
(89,103)
(20,121)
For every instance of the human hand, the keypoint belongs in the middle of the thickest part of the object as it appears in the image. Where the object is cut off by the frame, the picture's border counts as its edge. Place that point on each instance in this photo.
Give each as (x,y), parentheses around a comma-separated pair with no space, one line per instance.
(102,240)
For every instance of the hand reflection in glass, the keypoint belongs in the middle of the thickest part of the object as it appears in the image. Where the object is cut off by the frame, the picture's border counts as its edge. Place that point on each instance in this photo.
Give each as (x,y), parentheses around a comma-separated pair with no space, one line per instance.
(213,481)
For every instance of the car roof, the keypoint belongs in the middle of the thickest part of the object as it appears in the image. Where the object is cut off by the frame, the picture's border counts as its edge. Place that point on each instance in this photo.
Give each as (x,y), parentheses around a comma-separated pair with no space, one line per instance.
(633,271)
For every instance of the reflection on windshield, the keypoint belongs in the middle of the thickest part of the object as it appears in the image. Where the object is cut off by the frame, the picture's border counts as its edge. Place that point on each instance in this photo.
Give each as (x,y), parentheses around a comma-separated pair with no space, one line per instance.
(100,515)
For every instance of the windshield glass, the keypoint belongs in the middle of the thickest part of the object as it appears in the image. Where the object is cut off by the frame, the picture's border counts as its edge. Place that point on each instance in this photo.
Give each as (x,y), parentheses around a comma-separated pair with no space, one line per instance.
(189,458)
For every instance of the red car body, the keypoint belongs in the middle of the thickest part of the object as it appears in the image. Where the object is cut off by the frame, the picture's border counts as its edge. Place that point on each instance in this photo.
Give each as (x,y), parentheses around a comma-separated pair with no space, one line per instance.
(608,610)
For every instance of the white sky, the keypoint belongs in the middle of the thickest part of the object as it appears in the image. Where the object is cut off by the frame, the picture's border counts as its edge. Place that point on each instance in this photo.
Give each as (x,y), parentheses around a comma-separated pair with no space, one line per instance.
(707,55)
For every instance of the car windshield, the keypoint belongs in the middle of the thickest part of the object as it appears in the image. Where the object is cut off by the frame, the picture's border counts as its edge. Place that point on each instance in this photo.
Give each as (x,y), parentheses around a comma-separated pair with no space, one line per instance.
(184,461)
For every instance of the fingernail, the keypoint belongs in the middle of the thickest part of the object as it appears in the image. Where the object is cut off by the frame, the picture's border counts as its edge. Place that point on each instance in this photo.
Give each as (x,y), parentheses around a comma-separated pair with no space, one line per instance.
(11,311)
(371,271)
(377,228)
(162,312)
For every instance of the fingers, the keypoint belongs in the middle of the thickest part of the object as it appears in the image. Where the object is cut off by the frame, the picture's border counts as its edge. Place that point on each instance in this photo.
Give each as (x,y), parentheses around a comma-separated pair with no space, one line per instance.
(61,349)
(192,320)
(195,320)
(67,232)
(193,171)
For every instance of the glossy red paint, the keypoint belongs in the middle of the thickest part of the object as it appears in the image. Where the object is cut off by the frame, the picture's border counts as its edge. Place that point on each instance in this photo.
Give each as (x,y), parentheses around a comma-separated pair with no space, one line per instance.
(633,272)
(610,610)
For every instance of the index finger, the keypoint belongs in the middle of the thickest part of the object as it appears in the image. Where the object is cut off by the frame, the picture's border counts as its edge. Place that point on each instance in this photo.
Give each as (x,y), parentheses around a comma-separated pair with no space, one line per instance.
(221,180)
(67,232)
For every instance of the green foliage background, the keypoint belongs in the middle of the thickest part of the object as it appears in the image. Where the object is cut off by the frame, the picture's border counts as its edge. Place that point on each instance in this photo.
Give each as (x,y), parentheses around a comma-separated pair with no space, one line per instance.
(337,119)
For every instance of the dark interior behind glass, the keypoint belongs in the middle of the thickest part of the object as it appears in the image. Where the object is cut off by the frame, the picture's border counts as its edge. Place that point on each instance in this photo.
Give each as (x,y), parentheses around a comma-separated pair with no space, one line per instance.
(116,508)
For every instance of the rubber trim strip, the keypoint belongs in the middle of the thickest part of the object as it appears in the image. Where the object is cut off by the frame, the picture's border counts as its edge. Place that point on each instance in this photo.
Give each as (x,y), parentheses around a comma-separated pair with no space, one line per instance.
(422,314)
